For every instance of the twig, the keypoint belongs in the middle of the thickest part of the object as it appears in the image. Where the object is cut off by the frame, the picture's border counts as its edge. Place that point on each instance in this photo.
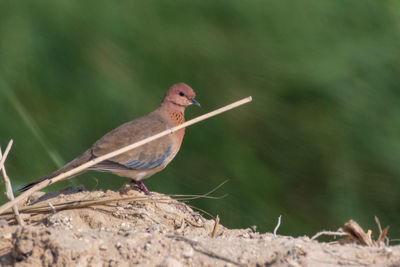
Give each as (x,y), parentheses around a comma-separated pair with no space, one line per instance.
(52,207)
(45,207)
(214,232)
(210,192)
(334,233)
(3,159)
(382,233)
(201,210)
(277,226)
(206,194)
(193,223)
(7,182)
(198,247)
(42,208)
(378,223)
(82,203)
(117,152)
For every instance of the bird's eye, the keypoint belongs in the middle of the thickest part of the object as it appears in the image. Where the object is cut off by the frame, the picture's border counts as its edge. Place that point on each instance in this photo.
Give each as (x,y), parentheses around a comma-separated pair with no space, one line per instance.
(181,94)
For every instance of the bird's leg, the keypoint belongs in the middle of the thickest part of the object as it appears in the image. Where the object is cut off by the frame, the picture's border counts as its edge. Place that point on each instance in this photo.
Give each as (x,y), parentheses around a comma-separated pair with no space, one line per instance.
(142,187)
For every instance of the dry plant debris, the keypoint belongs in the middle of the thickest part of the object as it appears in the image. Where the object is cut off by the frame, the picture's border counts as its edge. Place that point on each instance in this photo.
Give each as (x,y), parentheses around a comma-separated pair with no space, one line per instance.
(357,234)
(215,229)
(158,231)
(7,183)
(354,233)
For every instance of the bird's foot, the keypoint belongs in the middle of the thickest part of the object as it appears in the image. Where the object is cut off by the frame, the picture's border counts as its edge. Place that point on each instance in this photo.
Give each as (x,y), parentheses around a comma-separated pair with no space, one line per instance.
(143,187)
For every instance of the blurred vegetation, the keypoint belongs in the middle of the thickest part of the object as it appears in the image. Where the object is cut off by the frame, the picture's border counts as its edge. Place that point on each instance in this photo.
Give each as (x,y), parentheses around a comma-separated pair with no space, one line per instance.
(319,144)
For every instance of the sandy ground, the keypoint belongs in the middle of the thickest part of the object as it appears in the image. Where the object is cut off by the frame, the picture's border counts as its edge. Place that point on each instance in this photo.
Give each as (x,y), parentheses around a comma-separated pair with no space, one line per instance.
(156,232)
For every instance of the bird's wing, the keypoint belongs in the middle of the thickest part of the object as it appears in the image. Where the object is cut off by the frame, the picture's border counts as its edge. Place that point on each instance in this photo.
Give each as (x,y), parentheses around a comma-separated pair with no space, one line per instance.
(147,156)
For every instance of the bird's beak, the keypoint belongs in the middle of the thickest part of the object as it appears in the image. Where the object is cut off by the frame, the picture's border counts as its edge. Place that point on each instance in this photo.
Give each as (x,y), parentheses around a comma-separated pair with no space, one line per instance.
(194,101)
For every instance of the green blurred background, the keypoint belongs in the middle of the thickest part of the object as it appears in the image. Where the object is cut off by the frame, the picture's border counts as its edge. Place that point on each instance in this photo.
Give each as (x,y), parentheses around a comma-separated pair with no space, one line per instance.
(319,144)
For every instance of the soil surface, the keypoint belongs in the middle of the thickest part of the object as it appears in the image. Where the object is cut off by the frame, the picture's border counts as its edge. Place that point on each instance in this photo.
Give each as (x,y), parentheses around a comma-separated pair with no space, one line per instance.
(160,231)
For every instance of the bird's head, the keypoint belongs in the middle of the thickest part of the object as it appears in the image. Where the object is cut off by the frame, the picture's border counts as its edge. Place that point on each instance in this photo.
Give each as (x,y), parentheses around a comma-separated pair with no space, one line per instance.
(180,94)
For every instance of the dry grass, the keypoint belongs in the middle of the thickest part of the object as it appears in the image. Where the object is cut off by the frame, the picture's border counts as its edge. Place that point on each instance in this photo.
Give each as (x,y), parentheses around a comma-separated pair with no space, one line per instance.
(48,207)
(354,233)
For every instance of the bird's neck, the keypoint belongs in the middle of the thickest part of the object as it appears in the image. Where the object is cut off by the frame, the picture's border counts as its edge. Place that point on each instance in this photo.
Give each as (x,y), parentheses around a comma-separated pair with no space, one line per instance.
(173,113)
(177,117)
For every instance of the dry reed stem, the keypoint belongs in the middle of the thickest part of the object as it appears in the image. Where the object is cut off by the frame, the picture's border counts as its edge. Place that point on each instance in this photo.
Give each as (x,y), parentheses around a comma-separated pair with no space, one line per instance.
(378,223)
(7,183)
(3,159)
(50,207)
(200,210)
(382,233)
(215,229)
(46,207)
(117,152)
(330,233)
(278,225)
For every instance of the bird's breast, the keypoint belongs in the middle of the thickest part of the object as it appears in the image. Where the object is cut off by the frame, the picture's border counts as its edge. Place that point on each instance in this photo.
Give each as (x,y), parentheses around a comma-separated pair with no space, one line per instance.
(177,117)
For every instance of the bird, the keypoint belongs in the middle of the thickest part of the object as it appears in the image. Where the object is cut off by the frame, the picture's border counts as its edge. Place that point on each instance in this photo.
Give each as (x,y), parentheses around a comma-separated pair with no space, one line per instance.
(146,160)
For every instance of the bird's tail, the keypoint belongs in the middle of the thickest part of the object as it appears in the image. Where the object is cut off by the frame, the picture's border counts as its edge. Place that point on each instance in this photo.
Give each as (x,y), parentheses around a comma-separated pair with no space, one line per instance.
(85,157)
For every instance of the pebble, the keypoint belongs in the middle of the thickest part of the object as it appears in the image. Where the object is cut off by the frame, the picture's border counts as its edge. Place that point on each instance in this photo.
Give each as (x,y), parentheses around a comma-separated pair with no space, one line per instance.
(7,236)
(170,262)
(188,252)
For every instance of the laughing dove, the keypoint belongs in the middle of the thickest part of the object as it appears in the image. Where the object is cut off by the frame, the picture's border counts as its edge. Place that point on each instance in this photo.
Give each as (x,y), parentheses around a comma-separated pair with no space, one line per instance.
(146,160)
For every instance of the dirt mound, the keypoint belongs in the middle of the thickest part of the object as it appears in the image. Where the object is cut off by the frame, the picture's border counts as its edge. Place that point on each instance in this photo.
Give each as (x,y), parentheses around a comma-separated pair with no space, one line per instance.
(159,231)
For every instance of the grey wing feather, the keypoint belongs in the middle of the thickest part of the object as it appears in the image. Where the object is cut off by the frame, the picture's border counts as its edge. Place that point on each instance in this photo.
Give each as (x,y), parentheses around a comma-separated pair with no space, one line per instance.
(148,162)
(154,161)
(151,163)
